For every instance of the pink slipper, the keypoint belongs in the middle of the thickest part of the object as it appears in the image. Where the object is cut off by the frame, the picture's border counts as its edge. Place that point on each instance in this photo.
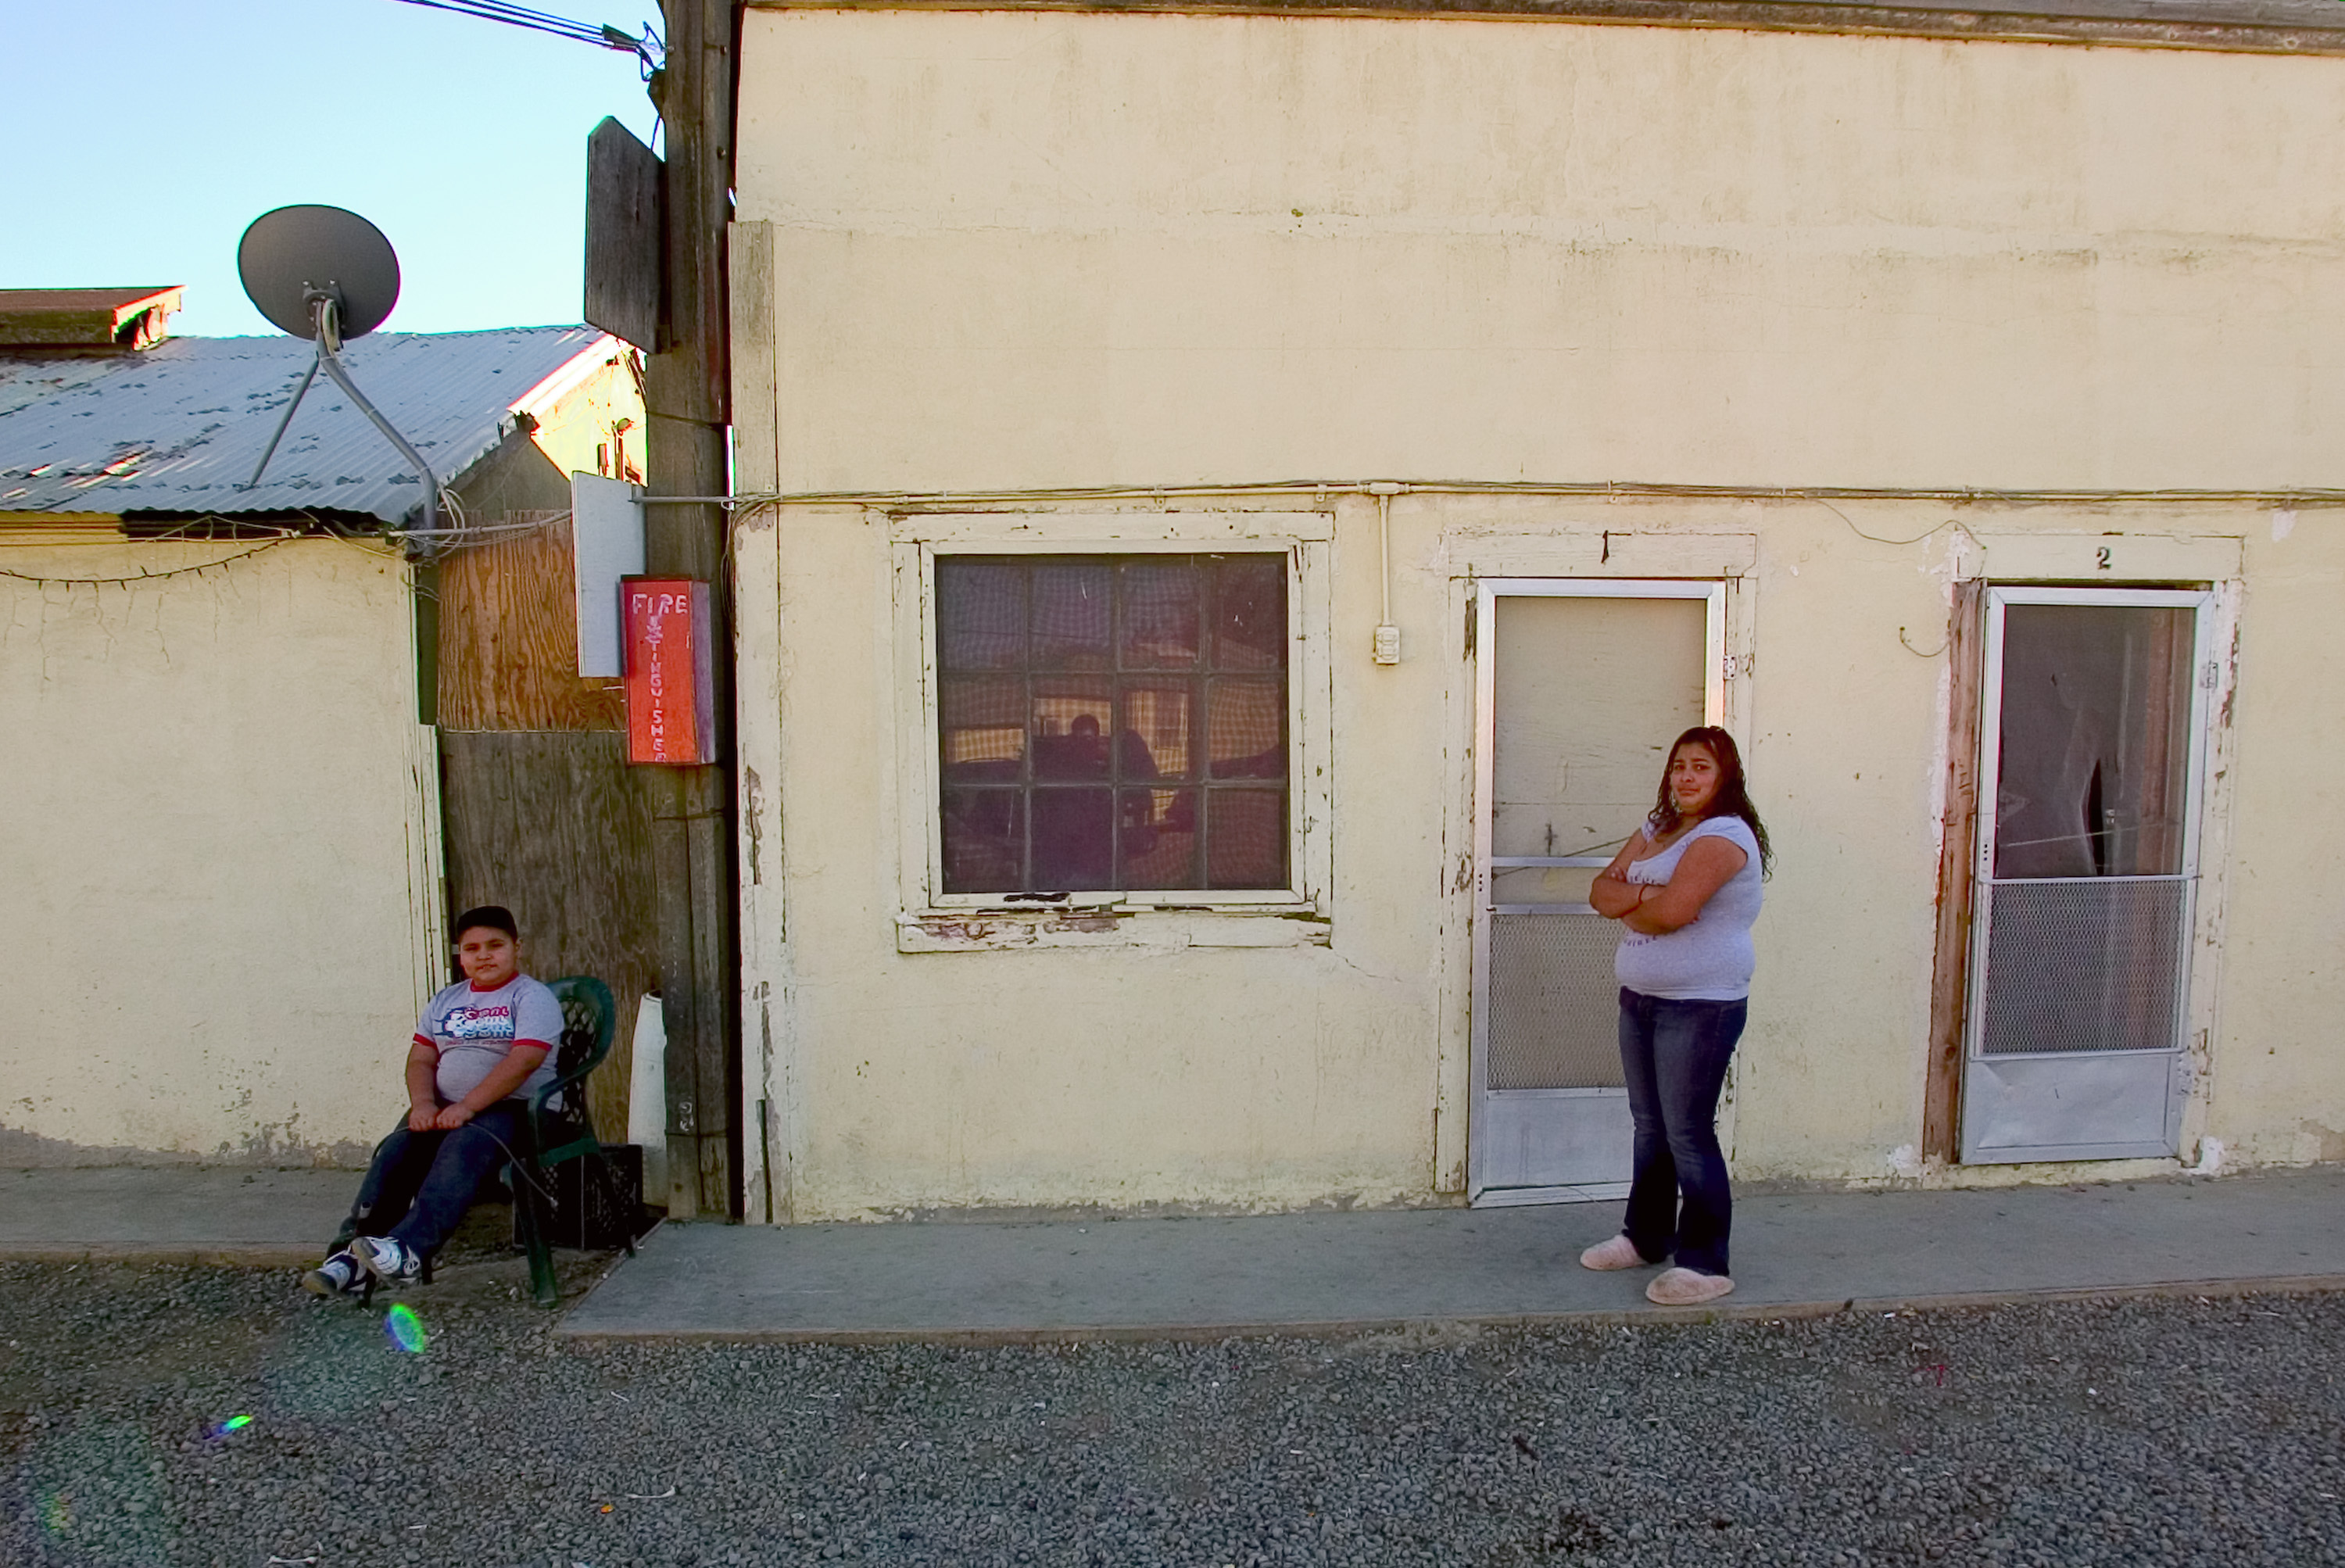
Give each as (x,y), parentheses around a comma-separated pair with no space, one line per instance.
(1620,1252)
(1684,1287)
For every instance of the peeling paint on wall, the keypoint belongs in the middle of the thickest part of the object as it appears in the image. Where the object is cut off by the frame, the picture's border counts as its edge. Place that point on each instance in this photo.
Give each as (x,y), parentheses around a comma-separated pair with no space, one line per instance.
(267,1150)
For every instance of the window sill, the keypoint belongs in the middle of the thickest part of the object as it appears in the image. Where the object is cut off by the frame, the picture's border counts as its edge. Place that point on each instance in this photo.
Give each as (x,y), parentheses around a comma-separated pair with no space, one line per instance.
(1001,930)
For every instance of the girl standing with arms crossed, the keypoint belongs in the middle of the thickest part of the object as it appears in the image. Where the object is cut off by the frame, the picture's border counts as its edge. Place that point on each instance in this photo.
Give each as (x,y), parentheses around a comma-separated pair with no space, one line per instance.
(1685,890)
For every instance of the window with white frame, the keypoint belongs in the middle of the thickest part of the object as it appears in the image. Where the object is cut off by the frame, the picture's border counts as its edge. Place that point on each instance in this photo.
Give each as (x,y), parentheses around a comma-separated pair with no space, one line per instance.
(1112,723)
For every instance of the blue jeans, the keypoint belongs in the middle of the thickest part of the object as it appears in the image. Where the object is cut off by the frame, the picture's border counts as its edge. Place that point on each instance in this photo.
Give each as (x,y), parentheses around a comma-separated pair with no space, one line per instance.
(419,1184)
(1673,1055)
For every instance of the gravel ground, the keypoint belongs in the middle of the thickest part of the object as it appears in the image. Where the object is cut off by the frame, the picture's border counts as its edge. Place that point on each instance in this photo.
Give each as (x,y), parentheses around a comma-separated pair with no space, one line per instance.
(2167,1432)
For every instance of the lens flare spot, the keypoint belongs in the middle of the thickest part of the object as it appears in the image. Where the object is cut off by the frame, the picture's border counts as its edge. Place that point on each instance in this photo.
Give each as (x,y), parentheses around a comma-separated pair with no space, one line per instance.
(57,1512)
(405,1329)
(233,1424)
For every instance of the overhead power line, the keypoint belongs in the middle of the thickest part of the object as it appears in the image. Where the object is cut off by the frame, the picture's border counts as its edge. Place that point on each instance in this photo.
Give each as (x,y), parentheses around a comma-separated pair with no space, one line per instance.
(648,48)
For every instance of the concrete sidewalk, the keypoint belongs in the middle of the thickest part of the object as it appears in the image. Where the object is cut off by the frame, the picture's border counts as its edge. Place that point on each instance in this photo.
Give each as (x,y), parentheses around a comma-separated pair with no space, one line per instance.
(1300,1273)
(172,1214)
(1327,1273)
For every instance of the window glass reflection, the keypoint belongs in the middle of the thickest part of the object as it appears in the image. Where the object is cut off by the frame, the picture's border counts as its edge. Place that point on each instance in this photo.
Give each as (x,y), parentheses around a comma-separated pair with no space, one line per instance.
(1246,838)
(1071,611)
(1162,614)
(1113,722)
(981,613)
(2095,748)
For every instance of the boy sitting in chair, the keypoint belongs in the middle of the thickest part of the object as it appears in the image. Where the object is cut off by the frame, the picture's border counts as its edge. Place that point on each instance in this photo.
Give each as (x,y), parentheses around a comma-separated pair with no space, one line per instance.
(482,1048)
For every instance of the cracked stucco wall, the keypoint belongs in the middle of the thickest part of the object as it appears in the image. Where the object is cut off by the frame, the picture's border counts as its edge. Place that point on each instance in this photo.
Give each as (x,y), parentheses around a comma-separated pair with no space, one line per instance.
(207,947)
(1039,248)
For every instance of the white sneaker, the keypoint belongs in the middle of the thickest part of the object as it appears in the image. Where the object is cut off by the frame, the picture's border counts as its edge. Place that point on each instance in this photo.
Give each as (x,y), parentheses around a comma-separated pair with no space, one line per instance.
(338,1276)
(389,1261)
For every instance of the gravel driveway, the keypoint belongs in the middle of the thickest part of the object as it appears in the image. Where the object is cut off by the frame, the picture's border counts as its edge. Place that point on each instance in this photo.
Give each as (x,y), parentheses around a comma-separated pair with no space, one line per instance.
(2170,1431)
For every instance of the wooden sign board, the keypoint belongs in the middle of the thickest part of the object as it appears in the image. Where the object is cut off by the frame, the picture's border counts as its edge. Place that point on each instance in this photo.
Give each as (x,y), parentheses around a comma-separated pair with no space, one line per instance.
(670,678)
(625,237)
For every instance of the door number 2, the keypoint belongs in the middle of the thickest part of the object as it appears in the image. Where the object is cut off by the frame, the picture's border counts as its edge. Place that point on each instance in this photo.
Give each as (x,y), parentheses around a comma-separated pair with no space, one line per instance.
(2101,558)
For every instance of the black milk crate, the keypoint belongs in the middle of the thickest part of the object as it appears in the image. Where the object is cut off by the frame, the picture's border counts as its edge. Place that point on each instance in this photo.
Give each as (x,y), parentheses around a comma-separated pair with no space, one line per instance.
(598,1205)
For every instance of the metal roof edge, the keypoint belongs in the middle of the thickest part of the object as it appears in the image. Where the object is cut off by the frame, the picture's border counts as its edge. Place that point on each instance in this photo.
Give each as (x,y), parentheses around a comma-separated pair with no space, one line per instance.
(572,374)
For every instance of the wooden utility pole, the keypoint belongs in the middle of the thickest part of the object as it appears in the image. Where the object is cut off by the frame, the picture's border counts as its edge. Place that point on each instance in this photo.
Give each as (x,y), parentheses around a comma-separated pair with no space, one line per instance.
(685,399)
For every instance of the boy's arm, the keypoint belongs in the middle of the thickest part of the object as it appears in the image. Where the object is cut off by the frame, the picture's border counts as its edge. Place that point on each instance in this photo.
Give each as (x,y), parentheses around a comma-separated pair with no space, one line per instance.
(422,1085)
(521,1060)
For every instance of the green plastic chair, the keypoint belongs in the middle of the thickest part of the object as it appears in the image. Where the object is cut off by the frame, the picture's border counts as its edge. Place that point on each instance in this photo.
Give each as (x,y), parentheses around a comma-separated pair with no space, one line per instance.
(553,1135)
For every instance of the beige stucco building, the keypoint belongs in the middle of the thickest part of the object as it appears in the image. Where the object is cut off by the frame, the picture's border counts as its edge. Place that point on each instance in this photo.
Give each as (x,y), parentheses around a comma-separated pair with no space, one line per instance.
(223,835)
(1914,405)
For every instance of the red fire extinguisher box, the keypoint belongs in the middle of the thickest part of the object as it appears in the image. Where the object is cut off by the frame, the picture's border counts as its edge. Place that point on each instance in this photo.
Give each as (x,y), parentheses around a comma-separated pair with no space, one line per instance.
(671,678)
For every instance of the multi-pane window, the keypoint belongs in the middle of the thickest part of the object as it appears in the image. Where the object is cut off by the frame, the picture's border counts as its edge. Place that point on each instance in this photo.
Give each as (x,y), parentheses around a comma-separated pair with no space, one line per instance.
(1113,722)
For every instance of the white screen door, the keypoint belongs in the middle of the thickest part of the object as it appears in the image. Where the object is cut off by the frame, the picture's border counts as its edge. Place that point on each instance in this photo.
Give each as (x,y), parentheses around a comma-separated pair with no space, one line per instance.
(1581,685)
(2094,737)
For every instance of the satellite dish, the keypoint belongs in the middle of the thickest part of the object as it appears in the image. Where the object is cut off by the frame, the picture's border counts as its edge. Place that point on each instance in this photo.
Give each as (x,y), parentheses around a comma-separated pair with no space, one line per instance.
(327,275)
(291,256)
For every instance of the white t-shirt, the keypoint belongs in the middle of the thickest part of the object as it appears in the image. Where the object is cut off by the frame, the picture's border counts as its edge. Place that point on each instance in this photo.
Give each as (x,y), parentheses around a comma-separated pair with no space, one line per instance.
(472,1030)
(1712,959)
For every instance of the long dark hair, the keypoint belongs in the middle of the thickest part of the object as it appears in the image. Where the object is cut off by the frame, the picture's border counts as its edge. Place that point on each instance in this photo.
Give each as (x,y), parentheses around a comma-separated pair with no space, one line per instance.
(1733,796)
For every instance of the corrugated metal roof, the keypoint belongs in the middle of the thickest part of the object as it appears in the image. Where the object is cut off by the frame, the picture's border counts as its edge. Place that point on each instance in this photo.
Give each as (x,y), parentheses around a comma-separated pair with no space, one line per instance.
(177,429)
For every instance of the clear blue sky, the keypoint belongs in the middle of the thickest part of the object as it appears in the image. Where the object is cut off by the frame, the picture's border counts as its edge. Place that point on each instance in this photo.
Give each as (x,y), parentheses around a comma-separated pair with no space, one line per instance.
(157,132)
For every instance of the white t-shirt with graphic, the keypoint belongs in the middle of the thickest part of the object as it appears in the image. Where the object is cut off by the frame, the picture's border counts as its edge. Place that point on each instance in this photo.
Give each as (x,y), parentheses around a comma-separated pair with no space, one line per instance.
(472,1030)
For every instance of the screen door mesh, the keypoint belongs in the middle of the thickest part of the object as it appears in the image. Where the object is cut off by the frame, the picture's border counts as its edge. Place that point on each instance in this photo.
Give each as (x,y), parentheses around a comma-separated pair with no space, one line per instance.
(2090,965)
(1554,1005)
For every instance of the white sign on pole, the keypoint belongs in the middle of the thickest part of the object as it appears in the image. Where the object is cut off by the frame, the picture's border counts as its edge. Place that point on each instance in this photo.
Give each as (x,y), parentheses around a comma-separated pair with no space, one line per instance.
(606,535)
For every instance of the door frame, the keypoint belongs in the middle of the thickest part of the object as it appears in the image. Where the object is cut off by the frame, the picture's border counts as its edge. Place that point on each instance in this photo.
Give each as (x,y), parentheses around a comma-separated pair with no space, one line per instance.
(1716,685)
(2169,1063)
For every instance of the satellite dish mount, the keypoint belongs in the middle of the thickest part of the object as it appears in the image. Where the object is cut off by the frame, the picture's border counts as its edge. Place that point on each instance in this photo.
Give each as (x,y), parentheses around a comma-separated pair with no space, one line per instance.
(327,275)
